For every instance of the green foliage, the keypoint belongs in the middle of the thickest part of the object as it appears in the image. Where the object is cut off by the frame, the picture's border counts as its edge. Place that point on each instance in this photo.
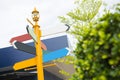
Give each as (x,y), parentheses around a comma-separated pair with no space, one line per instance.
(84,12)
(98,42)
(98,53)
(67,60)
(82,16)
(64,73)
(98,50)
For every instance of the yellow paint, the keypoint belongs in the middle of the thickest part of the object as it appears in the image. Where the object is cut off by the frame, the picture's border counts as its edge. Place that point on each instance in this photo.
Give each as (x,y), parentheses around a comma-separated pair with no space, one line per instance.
(49,65)
(33,68)
(39,53)
(24,64)
(39,59)
(28,69)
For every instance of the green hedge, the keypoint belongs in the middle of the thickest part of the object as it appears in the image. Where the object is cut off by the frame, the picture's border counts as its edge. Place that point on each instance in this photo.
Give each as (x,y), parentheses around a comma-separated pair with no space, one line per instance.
(98,50)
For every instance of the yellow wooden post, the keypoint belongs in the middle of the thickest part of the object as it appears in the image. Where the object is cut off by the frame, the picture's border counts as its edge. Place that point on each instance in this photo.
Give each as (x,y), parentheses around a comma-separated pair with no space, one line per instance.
(37,31)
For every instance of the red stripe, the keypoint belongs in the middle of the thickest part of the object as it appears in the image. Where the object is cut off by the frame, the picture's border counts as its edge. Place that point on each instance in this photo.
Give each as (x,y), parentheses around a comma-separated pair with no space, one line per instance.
(26,37)
(21,38)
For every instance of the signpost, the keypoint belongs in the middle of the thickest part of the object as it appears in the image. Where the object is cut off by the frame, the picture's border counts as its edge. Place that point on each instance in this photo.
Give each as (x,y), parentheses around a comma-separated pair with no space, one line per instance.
(37,31)
(32,61)
(39,58)
(48,56)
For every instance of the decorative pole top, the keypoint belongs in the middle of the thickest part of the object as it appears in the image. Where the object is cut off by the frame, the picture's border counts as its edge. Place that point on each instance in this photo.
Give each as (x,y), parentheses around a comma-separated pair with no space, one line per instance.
(35,11)
(35,15)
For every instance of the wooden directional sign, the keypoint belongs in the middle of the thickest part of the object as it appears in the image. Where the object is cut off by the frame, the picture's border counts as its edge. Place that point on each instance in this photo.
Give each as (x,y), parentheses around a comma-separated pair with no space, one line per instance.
(9,55)
(55,54)
(21,59)
(55,30)
(32,61)
(26,48)
(32,34)
(59,42)
(45,32)
(46,57)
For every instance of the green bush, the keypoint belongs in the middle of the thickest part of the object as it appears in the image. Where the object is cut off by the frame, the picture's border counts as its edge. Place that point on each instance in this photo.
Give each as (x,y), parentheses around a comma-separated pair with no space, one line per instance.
(98,49)
(97,53)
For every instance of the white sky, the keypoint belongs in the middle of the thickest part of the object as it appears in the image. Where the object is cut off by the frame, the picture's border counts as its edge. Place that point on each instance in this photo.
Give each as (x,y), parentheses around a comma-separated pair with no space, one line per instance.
(13,15)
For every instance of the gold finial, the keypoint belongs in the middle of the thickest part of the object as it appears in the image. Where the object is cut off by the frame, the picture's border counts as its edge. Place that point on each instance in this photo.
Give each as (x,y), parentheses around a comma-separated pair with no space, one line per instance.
(35,14)
(35,10)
